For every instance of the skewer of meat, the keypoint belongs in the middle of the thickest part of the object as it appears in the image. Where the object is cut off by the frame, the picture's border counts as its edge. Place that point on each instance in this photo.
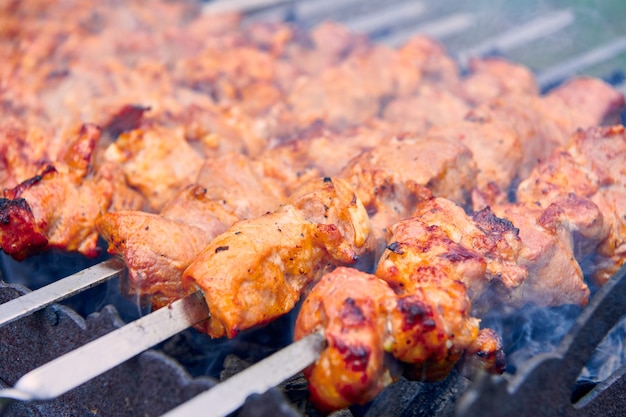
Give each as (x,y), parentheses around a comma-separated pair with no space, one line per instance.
(32,217)
(419,307)
(258,269)
(458,266)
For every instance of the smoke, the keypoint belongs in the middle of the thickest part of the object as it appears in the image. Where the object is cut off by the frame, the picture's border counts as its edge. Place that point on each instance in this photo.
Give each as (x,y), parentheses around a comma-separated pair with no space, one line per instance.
(530,330)
(608,357)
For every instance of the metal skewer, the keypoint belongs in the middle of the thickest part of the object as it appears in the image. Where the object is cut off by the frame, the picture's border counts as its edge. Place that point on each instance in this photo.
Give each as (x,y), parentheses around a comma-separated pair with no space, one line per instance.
(59,290)
(54,378)
(229,395)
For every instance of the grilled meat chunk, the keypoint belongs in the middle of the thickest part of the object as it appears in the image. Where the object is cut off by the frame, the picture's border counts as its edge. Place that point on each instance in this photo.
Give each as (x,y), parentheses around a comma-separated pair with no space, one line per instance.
(353,309)
(554,275)
(156,251)
(258,269)
(58,208)
(592,168)
(393,177)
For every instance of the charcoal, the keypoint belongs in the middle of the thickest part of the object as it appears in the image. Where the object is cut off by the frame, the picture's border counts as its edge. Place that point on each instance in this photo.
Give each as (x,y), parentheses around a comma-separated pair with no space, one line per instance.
(417,399)
(272,403)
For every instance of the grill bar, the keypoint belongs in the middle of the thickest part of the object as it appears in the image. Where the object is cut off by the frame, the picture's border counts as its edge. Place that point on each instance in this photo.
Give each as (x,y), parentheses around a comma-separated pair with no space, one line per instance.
(520,35)
(228,396)
(574,65)
(244,6)
(399,15)
(438,29)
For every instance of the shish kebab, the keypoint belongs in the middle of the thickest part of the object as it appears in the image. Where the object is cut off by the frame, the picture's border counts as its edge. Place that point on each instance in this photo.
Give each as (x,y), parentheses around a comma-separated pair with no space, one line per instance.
(87,138)
(381,210)
(594,135)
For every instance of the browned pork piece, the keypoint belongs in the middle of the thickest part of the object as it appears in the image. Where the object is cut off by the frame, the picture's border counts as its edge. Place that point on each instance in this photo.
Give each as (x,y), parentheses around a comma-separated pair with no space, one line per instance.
(544,123)
(434,265)
(586,182)
(401,171)
(58,207)
(258,269)
(420,313)
(366,324)
(353,308)
(158,248)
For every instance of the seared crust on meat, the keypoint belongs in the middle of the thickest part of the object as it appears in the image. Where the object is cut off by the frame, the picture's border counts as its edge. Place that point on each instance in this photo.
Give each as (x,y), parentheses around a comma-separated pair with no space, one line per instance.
(352,308)
(156,251)
(258,269)
(58,207)
(592,168)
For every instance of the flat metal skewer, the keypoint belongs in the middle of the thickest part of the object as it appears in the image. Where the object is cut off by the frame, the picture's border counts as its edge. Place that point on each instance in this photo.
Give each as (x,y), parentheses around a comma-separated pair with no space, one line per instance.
(60,290)
(228,396)
(87,362)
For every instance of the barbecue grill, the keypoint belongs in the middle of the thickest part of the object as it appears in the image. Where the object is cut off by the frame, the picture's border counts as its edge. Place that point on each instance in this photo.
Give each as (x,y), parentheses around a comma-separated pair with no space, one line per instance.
(556,42)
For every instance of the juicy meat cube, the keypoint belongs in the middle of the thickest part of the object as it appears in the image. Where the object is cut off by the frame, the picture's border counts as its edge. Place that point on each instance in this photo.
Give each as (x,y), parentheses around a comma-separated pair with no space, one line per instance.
(592,168)
(258,269)
(554,275)
(352,308)
(393,177)
(156,251)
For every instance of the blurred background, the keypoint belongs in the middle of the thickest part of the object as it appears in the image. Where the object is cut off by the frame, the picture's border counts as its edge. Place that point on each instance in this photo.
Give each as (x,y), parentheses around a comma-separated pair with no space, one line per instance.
(555,38)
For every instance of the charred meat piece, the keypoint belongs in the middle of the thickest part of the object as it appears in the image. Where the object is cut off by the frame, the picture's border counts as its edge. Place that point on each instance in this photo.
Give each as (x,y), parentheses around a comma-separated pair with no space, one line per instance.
(493,244)
(353,309)
(58,208)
